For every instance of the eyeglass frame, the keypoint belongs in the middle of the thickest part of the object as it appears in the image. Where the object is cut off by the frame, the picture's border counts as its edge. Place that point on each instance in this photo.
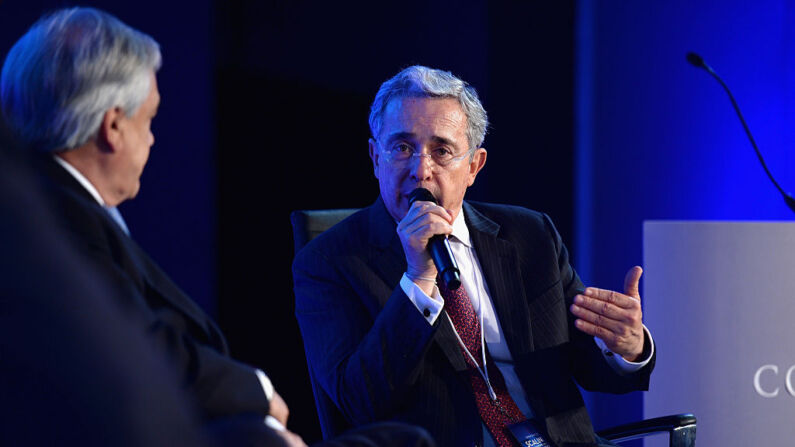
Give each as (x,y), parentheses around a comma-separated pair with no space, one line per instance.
(414,154)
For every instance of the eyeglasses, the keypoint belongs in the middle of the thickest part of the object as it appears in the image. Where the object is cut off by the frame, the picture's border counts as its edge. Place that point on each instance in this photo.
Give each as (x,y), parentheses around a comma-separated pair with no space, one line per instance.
(401,153)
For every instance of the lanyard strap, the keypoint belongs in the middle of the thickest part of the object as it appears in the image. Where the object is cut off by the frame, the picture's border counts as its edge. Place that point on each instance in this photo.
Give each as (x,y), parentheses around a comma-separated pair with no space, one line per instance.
(484,372)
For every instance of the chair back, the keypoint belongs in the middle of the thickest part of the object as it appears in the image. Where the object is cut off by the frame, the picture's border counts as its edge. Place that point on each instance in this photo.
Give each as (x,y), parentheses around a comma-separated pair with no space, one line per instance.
(308,224)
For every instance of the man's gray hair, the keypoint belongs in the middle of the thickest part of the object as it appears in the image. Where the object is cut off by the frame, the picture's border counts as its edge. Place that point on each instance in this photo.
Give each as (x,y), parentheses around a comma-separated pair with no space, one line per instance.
(70,68)
(423,82)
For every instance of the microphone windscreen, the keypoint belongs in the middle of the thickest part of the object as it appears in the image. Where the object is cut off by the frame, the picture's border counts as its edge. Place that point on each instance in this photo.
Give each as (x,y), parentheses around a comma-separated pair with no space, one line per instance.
(696,60)
(421,194)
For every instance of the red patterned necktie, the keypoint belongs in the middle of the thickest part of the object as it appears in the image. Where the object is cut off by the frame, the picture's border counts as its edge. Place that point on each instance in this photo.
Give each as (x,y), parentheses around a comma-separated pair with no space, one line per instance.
(497,415)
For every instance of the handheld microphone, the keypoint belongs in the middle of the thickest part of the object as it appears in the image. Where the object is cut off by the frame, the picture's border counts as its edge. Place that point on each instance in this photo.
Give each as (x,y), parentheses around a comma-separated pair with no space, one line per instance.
(698,61)
(439,247)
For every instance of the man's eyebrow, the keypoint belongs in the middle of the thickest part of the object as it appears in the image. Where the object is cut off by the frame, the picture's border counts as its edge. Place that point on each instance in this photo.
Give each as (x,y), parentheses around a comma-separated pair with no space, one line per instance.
(410,136)
(399,136)
(443,140)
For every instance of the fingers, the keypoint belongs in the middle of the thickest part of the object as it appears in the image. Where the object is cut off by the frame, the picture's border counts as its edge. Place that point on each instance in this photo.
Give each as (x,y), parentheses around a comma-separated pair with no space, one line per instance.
(611,297)
(606,314)
(623,339)
(420,209)
(608,305)
(426,227)
(610,338)
(611,320)
(278,408)
(423,221)
(614,317)
(631,281)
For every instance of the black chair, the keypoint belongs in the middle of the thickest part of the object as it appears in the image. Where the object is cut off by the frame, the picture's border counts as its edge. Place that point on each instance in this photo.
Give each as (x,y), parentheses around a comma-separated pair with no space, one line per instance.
(681,429)
(307,224)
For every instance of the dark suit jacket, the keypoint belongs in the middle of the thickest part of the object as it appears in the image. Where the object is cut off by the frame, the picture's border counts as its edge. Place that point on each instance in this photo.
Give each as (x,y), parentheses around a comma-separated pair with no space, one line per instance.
(73,370)
(222,386)
(376,357)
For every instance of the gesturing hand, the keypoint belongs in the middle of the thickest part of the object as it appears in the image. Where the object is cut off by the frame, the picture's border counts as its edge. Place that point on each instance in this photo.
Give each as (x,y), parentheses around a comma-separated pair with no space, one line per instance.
(614,317)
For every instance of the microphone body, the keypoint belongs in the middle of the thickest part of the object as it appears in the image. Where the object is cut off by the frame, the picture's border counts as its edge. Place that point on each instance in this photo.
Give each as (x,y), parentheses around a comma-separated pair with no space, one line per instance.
(439,247)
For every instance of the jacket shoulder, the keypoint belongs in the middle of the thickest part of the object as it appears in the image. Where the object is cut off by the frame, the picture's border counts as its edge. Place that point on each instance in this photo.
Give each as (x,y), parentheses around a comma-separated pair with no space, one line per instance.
(509,216)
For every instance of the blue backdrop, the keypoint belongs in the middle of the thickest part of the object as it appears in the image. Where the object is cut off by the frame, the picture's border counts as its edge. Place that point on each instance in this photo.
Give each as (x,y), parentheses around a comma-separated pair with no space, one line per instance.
(657,138)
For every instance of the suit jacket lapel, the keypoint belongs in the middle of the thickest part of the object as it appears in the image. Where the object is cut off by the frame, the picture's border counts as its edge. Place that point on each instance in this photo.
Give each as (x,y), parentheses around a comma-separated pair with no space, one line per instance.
(153,278)
(499,261)
(159,282)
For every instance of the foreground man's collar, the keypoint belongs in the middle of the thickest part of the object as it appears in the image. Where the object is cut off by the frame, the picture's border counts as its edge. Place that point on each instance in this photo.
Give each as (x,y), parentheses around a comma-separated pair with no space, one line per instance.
(80,178)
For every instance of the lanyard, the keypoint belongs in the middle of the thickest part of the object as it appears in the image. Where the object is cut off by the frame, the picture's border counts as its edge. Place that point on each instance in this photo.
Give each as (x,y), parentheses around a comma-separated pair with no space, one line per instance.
(484,372)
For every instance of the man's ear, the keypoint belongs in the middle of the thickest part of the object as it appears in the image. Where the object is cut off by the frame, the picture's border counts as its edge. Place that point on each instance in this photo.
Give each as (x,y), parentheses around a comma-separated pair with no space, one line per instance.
(110,130)
(477,163)
(374,155)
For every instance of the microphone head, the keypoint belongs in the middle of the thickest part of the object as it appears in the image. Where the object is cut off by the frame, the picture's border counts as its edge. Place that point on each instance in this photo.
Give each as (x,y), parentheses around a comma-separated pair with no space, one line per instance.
(696,60)
(421,194)
(790,201)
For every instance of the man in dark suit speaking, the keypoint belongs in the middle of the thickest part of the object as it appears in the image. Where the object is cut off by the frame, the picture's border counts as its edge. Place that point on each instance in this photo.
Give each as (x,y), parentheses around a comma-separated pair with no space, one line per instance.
(493,362)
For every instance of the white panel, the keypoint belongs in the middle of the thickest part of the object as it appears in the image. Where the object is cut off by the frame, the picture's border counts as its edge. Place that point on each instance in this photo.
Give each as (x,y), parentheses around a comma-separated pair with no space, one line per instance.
(719,298)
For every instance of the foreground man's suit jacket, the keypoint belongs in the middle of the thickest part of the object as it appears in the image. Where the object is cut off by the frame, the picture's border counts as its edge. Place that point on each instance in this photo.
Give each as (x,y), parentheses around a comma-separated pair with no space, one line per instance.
(377,358)
(179,328)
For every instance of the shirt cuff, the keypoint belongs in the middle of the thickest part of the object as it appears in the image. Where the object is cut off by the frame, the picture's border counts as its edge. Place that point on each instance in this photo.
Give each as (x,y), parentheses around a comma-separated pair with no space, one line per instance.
(267,386)
(430,307)
(274,423)
(618,363)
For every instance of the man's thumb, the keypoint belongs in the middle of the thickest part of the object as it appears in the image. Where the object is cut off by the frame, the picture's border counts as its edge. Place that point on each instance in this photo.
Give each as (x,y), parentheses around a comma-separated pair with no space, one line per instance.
(631,282)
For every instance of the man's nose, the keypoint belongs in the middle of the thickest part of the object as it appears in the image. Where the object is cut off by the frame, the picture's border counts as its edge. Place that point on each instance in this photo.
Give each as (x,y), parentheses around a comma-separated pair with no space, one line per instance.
(421,167)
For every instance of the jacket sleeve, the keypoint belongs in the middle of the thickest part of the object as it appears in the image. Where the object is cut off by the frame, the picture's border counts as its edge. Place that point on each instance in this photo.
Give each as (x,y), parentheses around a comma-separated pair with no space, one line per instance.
(588,364)
(364,357)
(221,385)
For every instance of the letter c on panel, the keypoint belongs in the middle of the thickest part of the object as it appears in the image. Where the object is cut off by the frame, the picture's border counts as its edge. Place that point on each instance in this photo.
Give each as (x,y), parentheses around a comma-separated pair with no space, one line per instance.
(758,385)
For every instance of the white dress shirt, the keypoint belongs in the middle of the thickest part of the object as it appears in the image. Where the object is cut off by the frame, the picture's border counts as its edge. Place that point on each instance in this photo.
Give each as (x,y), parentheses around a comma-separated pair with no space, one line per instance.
(473,282)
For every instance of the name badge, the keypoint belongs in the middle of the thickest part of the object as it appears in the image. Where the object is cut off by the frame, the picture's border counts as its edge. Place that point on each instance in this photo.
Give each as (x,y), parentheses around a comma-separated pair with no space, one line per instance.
(527,434)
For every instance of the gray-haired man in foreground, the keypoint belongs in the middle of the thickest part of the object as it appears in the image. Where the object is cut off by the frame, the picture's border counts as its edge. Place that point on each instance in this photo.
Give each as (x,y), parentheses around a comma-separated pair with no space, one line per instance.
(80,89)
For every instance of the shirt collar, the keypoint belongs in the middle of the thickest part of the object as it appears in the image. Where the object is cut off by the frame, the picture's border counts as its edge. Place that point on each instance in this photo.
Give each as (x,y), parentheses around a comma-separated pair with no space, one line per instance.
(460,230)
(80,179)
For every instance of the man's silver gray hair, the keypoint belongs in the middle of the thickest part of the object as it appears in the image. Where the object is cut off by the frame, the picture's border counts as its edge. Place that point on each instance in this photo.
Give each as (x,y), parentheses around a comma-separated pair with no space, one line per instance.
(423,82)
(70,68)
